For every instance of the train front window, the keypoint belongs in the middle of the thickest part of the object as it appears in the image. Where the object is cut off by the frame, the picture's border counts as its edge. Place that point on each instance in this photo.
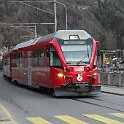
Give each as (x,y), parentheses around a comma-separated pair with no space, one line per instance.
(77,54)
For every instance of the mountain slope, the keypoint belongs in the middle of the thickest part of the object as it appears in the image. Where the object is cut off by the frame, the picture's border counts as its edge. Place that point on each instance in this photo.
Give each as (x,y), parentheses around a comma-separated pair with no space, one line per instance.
(103,19)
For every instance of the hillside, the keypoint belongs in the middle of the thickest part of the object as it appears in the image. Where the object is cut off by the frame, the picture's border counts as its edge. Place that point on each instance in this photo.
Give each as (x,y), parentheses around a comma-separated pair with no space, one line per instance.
(103,19)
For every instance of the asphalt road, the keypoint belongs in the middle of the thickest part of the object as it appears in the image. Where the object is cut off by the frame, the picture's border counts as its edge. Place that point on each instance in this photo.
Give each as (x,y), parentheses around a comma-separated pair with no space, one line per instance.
(32,107)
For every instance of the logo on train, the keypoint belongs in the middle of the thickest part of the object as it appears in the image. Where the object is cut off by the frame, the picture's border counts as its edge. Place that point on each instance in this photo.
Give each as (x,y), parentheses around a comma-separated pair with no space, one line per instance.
(79,77)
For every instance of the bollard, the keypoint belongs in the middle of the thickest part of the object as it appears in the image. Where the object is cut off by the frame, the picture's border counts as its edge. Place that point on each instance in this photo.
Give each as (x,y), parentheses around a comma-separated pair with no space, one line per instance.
(120,76)
(99,79)
(109,79)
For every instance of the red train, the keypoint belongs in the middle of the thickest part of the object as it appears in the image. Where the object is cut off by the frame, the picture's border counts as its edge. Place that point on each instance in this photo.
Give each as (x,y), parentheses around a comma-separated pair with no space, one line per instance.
(63,62)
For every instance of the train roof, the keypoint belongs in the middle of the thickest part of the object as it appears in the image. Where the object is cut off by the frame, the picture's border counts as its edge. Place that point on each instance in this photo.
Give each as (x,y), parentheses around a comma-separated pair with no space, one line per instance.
(27,43)
(62,34)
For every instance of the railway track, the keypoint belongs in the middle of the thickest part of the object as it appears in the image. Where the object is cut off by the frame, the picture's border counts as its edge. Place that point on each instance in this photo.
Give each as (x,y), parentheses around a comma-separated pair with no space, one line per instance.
(97,101)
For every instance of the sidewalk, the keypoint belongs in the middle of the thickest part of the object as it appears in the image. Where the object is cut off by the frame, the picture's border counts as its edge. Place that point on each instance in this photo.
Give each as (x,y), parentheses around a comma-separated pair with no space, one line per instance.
(112,89)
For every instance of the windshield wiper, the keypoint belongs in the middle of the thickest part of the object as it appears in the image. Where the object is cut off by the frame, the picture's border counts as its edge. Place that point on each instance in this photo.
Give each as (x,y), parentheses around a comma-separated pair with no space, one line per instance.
(68,62)
(82,60)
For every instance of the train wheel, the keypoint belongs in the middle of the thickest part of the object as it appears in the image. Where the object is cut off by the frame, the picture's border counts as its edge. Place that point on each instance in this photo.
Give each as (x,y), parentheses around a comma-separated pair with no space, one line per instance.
(53,93)
(4,76)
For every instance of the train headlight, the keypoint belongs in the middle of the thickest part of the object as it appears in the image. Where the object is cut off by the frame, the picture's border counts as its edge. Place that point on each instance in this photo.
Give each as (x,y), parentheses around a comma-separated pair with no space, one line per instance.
(88,68)
(95,74)
(60,75)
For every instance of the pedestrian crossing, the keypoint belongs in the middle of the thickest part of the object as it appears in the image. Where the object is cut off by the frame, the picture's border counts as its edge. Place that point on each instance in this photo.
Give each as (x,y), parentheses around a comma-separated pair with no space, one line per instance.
(38,120)
(103,119)
(72,120)
(121,115)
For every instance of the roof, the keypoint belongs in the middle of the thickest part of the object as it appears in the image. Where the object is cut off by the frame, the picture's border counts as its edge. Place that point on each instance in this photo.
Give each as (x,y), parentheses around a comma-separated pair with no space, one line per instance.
(62,34)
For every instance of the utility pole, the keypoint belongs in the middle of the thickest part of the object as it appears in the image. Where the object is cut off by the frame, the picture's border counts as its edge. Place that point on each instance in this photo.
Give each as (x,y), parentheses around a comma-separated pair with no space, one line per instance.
(55,15)
(35,30)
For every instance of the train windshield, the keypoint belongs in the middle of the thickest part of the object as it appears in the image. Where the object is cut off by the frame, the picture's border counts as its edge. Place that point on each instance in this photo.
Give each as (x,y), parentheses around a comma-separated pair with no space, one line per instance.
(77,52)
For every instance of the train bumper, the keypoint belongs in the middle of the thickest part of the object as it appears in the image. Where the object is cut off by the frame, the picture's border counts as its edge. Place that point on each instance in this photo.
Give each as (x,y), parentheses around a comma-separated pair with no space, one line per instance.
(85,91)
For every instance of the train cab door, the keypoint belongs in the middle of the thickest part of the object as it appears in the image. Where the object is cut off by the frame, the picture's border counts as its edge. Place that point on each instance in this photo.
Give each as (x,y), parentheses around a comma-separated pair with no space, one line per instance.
(29,69)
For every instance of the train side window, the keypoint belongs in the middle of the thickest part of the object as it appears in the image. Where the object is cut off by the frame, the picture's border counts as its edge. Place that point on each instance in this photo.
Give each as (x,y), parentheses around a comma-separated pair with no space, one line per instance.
(41,57)
(48,56)
(14,64)
(5,60)
(8,60)
(38,57)
(17,59)
(21,60)
(33,56)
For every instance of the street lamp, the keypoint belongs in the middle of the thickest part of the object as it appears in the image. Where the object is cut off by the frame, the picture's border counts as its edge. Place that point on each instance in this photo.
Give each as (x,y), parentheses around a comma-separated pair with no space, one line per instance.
(66,16)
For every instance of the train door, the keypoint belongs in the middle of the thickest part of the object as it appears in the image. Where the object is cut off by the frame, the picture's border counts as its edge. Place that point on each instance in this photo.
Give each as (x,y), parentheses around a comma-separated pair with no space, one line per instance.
(55,67)
(29,69)
(6,66)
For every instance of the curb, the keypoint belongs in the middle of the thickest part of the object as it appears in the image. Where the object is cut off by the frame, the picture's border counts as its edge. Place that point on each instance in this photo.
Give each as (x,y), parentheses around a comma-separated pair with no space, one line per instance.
(113,93)
(112,90)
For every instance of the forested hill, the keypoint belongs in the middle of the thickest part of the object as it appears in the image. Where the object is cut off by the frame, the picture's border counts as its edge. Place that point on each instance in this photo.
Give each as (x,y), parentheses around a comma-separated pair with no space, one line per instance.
(103,19)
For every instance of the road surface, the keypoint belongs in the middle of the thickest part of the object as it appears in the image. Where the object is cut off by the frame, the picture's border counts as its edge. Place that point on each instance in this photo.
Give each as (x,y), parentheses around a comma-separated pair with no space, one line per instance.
(21,105)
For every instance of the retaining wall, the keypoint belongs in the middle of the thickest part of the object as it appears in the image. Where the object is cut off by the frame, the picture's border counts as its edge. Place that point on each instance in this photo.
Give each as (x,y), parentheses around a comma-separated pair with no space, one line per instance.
(115,79)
